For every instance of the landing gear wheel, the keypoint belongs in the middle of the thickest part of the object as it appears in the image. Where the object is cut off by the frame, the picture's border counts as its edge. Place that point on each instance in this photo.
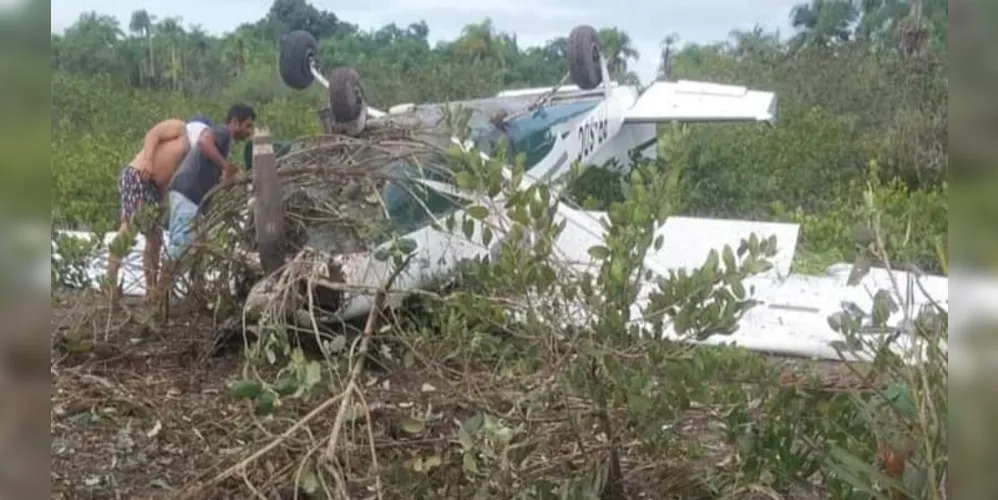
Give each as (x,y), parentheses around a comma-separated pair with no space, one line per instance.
(346,97)
(584,48)
(346,102)
(299,51)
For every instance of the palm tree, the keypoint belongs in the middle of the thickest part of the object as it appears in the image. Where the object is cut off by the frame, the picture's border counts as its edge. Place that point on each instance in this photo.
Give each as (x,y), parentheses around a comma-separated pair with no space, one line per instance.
(142,23)
(170,29)
(668,45)
(199,41)
(821,22)
(879,18)
(618,49)
(477,40)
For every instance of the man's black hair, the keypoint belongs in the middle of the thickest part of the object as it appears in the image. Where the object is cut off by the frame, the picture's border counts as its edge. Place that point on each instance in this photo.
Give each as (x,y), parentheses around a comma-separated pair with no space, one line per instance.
(240,112)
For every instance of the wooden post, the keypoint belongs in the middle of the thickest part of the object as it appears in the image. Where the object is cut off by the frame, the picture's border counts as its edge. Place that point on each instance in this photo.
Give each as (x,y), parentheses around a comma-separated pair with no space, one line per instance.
(269,211)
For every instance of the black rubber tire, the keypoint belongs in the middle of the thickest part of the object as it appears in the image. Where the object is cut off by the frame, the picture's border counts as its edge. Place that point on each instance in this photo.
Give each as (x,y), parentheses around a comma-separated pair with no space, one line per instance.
(298,50)
(346,97)
(584,48)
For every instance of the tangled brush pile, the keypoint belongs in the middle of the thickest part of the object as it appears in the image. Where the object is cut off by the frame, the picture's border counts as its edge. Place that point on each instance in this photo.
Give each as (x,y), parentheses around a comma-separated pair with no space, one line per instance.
(332,187)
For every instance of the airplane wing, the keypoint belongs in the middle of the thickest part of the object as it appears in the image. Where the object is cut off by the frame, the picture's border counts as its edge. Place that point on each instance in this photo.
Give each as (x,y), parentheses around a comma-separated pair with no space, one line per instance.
(690,101)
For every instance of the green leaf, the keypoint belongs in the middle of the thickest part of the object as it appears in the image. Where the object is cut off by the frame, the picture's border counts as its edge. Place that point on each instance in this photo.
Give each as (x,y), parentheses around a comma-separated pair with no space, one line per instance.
(883,307)
(412,426)
(599,252)
(161,483)
(713,260)
(478,212)
(246,389)
(899,396)
(381,254)
(771,245)
(836,321)
(265,402)
(729,259)
(756,266)
(407,245)
(338,344)
(487,235)
(468,228)
(432,462)
(517,177)
(313,373)
(309,482)
(859,474)
(474,423)
(469,463)
(464,437)
(738,289)
(465,180)
(285,386)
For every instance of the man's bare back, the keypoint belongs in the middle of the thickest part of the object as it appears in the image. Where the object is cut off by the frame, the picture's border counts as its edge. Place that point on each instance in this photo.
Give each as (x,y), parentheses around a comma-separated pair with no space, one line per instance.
(170,144)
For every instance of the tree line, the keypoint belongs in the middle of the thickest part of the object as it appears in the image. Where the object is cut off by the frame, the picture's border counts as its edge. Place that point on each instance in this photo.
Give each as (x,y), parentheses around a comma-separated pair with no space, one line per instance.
(164,54)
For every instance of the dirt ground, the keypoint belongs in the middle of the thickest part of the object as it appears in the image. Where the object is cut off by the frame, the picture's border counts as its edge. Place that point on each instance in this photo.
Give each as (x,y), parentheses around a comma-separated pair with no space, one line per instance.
(140,412)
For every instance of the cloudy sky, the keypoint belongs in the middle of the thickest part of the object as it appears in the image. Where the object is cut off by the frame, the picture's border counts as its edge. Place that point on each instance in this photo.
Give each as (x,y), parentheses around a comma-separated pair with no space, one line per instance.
(534,21)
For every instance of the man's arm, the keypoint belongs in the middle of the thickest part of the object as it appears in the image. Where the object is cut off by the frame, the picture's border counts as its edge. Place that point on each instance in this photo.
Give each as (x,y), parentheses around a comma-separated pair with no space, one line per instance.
(208,143)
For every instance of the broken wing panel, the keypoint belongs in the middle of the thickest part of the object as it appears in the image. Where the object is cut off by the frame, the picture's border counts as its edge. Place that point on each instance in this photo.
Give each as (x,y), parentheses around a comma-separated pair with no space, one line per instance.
(690,101)
(688,240)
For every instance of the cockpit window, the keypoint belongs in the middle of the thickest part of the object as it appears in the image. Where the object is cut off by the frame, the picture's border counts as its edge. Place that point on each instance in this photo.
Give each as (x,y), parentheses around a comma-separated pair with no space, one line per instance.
(412,205)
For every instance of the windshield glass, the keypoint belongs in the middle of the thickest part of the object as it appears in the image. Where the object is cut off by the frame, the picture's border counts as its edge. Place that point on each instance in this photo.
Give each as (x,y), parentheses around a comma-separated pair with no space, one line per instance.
(412,205)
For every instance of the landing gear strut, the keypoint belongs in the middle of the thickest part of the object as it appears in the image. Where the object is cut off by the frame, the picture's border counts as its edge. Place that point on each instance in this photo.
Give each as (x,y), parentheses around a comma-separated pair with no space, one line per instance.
(299,63)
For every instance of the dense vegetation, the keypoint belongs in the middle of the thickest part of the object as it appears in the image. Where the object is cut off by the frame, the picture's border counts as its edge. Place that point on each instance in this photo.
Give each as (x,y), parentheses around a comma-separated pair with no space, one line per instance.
(861,84)
(862,142)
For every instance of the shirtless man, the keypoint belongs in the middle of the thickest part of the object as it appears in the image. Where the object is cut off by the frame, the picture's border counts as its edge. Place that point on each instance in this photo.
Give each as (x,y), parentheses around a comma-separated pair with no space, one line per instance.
(143,182)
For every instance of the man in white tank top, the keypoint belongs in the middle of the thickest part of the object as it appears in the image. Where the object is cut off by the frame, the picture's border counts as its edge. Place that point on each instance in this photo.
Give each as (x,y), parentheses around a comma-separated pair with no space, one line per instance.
(194,130)
(195,127)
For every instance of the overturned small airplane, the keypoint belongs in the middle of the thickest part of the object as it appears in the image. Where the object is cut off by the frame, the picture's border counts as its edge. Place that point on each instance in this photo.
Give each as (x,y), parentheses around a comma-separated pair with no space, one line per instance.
(594,121)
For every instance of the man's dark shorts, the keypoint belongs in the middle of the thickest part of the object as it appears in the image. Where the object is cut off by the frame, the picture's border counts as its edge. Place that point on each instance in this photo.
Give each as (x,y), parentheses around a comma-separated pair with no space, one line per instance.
(135,192)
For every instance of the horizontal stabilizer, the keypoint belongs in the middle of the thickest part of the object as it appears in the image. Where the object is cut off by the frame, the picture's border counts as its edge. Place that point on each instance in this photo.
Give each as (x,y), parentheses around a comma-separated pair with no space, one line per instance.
(688,101)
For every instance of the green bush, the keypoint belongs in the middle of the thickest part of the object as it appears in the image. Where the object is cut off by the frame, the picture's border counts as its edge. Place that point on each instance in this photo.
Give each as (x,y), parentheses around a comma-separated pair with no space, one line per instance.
(913,222)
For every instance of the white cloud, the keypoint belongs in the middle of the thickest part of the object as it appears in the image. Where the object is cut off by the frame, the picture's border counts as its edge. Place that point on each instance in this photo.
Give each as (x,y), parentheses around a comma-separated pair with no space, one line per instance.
(534,21)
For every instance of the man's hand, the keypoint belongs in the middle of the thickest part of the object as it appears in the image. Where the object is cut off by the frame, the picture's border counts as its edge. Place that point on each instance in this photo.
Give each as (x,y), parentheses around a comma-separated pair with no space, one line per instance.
(145,169)
(229,170)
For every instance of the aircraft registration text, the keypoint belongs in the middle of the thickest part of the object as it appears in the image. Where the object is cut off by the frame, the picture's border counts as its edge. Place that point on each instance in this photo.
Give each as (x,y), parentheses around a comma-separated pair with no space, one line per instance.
(593,132)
